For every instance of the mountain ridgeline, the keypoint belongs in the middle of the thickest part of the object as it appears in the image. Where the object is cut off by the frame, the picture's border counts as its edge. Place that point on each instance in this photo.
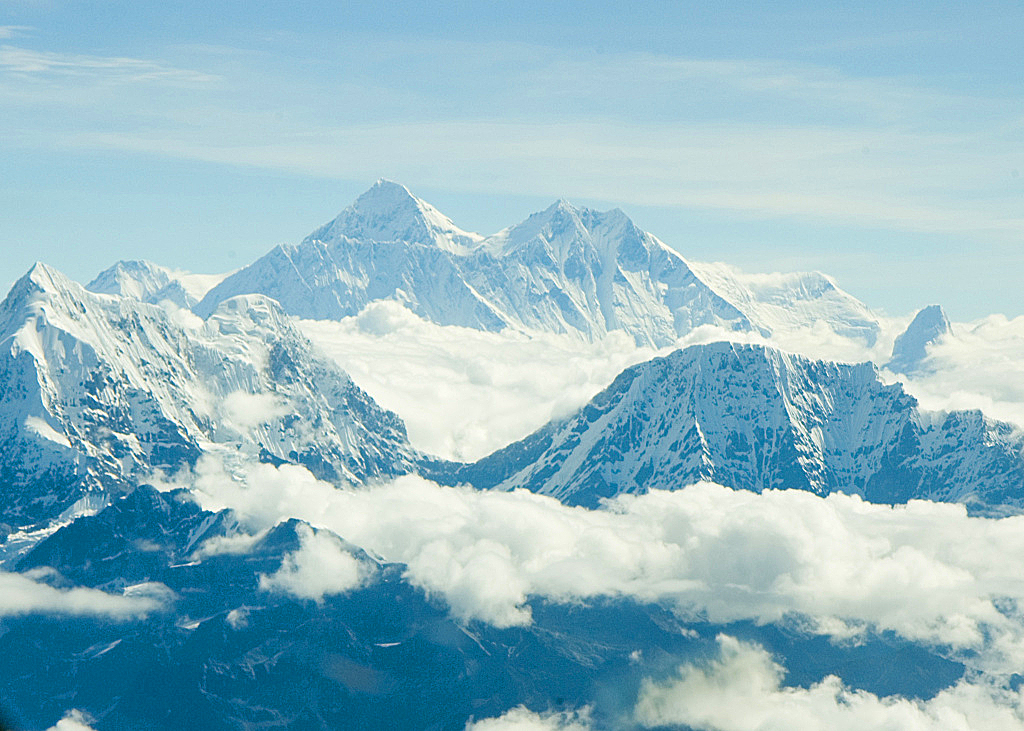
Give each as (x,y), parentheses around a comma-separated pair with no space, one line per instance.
(564,270)
(754,418)
(98,391)
(142,608)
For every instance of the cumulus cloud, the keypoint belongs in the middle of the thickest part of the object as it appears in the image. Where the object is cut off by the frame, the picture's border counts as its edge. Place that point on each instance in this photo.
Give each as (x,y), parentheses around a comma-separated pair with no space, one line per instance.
(73,720)
(979,366)
(320,567)
(464,393)
(27,594)
(840,565)
(248,410)
(523,719)
(742,689)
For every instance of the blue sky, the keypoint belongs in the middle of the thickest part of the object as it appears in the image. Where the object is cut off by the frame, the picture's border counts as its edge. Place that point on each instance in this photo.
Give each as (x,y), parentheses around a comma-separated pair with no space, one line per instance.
(879,144)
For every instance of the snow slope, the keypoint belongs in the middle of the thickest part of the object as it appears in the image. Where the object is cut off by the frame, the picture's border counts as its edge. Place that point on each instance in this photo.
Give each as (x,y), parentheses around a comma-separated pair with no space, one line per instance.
(563,270)
(755,418)
(98,390)
(149,282)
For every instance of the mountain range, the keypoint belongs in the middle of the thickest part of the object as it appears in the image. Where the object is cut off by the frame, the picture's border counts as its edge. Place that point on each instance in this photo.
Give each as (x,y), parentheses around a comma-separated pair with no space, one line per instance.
(114,393)
(564,270)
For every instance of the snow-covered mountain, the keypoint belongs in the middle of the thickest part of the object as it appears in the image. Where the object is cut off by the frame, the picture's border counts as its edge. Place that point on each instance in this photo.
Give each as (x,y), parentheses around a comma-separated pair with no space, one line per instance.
(782,302)
(910,348)
(563,270)
(755,418)
(98,390)
(149,282)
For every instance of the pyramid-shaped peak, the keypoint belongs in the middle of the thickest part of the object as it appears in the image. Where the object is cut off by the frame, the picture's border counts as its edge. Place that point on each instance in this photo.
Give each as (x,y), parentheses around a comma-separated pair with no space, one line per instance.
(386,195)
(42,278)
(389,212)
(910,348)
(932,317)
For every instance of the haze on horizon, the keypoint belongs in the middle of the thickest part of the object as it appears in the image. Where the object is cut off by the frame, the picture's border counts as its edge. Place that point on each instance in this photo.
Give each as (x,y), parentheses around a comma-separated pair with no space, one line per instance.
(880,145)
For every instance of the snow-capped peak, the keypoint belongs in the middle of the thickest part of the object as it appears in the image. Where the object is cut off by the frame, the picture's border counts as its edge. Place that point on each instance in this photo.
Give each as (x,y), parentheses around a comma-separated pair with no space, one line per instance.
(39,279)
(563,228)
(389,212)
(910,348)
(148,282)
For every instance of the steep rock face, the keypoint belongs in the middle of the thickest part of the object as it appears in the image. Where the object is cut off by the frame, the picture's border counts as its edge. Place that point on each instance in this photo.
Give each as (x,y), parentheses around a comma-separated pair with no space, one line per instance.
(96,391)
(755,418)
(910,348)
(564,270)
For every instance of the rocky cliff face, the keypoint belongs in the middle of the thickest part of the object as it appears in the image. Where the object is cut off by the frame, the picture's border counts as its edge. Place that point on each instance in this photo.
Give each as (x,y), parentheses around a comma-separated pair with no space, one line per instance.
(97,391)
(755,418)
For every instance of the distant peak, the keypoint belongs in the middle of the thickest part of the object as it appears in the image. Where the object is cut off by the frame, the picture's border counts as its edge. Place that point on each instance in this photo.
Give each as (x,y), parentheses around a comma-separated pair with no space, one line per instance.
(561,207)
(45,277)
(388,211)
(386,193)
(910,349)
(40,279)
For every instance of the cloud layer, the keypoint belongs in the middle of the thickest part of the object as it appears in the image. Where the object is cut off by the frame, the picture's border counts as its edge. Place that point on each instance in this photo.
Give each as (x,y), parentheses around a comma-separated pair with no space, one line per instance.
(742,689)
(838,565)
(464,393)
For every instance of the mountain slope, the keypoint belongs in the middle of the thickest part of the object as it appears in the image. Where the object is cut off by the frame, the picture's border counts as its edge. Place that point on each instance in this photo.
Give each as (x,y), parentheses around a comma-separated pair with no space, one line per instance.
(910,348)
(790,301)
(563,270)
(96,391)
(149,282)
(755,418)
(226,650)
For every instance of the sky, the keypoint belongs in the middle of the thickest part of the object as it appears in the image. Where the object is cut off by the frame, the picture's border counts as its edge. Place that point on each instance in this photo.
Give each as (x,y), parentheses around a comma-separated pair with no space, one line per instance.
(879,143)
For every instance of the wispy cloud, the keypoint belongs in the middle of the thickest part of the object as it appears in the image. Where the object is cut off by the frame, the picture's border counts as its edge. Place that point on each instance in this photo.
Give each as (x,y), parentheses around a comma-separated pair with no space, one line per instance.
(27,594)
(757,139)
(13,31)
(892,180)
(23,61)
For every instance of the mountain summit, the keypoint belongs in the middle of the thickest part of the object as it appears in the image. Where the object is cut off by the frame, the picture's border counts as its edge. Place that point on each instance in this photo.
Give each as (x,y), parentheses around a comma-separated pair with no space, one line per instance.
(389,212)
(910,348)
(564,270)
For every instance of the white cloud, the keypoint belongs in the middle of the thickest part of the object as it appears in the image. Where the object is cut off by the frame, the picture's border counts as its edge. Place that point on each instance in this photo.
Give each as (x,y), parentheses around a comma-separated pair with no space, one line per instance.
(112,68)
(236,544)
(979,366)
(12,31)
(464,393)
(923,570)
(320,567)
(74,720)
(523,719)
(24,594)
(742,689)
(248,410)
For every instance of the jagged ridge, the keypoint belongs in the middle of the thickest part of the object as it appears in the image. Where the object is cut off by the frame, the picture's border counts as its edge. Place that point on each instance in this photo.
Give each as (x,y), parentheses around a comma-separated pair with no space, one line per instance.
(564,270)
(96,391)
(756,418)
